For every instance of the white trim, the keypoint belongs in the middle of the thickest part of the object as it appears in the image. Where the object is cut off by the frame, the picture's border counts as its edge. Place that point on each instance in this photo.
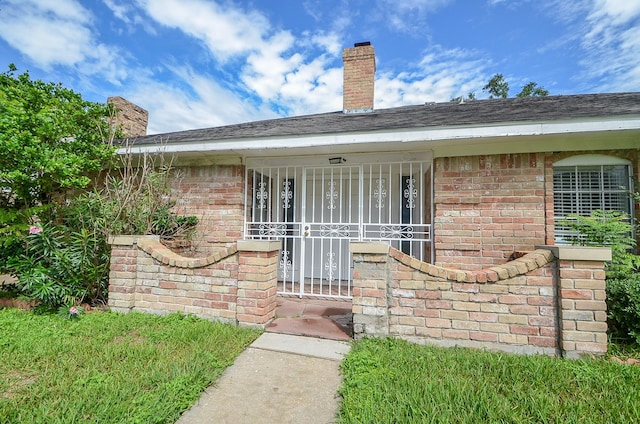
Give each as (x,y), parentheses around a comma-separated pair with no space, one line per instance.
(591,160)
(461,132)
(350,159)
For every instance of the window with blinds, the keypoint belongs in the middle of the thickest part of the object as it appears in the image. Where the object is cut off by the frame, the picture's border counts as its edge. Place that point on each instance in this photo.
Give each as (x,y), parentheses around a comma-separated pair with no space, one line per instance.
(580,189)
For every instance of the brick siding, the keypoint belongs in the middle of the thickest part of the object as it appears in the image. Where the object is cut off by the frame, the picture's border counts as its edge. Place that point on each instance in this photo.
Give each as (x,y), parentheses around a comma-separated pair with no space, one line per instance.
(214,194)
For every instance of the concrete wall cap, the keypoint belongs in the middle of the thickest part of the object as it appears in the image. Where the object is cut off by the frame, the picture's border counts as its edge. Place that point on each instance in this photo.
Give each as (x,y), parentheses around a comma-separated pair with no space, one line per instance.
(129,240)
(259,245)
(368,247)
(579,253)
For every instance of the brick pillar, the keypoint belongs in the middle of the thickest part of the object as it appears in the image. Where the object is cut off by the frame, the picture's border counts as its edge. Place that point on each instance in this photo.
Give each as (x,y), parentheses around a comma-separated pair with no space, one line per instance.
(369,289)
(582,306)
(257,282)
(123,272)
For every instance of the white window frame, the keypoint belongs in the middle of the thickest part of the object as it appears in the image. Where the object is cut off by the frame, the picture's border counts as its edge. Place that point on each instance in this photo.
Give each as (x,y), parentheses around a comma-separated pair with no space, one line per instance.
(581,199)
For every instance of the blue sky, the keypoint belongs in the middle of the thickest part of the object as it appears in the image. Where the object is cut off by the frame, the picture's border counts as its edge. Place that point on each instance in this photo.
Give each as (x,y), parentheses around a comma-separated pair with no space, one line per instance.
(203,63)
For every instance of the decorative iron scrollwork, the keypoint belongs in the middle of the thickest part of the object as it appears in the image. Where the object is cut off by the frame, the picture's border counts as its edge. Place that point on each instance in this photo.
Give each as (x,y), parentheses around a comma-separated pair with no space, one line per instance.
(272,230)
(411,193)
(286,194)
(332,195)
(331,266)
(285,264)
(396,231)
(335,230)
(380,193)
(262,195)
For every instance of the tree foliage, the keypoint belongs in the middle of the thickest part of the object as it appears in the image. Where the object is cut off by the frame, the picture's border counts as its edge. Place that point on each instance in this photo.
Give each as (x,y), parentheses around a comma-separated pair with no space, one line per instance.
(499,87)
(532,89)
(51,141)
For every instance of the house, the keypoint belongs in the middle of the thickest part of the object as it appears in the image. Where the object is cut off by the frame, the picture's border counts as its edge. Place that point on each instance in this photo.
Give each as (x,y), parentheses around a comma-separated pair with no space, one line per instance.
(463,186)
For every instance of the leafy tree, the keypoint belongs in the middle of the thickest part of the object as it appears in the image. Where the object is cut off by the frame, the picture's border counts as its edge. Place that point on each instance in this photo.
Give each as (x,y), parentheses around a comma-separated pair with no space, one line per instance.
(51,141)
(499,87)
(532,89)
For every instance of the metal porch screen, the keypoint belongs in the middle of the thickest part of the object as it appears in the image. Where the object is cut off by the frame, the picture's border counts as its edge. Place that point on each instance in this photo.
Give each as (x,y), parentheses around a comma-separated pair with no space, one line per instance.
(317,210)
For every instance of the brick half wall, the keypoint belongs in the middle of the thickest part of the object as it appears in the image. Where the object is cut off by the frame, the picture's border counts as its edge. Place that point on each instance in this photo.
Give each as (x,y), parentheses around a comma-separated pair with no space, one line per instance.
(236,284)
(547,301)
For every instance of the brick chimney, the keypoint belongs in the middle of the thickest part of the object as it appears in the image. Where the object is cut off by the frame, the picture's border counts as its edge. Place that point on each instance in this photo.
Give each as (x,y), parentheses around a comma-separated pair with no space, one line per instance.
(131,118)
(359,73)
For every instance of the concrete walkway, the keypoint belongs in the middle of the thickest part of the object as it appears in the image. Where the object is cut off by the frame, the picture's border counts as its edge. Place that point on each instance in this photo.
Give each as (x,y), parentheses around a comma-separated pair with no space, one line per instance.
(280,378)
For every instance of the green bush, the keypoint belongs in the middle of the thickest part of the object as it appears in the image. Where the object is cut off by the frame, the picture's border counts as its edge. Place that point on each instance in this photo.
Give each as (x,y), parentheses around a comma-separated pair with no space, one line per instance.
(61,266)
(623,302)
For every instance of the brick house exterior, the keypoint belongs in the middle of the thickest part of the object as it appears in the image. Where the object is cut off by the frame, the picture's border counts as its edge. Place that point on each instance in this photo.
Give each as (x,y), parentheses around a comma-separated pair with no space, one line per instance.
(466,187)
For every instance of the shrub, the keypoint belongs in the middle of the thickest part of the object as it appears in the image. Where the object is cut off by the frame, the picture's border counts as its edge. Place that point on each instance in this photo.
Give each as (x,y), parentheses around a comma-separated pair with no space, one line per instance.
(64,262)
(61,266)
(623,301)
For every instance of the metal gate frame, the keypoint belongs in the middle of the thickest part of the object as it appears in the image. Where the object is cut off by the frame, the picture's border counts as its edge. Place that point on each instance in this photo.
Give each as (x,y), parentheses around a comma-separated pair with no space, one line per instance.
(393,205)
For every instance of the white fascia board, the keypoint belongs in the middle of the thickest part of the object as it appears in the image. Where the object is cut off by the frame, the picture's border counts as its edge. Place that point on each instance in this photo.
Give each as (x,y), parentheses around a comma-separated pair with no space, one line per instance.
(393,135)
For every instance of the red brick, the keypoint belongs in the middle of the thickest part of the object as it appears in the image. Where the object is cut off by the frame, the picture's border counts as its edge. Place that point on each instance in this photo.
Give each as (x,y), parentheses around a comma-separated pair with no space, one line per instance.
(526,330)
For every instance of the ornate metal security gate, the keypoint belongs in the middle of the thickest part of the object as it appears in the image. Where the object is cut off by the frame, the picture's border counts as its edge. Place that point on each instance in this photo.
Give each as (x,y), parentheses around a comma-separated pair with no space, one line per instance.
(317,210)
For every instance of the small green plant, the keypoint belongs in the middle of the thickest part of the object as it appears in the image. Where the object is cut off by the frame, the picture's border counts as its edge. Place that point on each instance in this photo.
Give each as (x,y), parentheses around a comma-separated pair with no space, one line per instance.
(71,312)
(606,228)
(611,228)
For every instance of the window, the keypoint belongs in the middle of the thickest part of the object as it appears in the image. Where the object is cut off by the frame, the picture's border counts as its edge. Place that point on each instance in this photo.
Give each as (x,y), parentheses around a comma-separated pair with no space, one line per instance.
(585,183)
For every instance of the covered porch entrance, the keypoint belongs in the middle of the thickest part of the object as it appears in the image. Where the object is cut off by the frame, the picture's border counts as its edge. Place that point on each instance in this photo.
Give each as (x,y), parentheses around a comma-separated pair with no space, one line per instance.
(317,205)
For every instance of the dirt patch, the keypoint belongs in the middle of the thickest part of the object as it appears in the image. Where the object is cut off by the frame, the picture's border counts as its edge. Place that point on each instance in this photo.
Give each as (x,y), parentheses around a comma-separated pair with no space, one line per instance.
(16,381)
(16,303)
(133,338)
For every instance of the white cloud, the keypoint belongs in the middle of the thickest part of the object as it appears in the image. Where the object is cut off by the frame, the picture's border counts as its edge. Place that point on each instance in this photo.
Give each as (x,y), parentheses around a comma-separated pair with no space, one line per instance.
(291,74)
(407,16)
(128,13)
(58,33)
(204,103)
(225,30)
(612,43)
(440,75)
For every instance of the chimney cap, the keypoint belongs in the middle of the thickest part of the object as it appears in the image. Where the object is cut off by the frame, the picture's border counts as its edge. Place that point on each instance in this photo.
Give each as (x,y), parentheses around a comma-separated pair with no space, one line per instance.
(362,44)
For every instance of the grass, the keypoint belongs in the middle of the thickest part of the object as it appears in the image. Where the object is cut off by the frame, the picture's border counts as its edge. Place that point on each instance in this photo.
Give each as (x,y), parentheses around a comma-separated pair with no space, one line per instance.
(108,367)
(392,381)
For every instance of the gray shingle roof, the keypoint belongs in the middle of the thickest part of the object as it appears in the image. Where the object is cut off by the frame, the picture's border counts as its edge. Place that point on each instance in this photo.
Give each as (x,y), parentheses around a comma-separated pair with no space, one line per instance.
(478,112)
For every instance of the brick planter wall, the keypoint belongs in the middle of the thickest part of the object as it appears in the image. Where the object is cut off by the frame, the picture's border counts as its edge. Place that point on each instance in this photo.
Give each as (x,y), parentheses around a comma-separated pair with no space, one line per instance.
(235,284)
(550,301)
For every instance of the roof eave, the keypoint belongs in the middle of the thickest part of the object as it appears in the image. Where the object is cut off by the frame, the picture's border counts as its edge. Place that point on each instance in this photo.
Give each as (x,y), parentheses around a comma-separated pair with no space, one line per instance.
(458,133)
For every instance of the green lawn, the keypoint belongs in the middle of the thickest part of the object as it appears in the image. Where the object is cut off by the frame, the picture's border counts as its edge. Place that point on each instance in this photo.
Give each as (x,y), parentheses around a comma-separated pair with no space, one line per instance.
(108,367)
(391,381)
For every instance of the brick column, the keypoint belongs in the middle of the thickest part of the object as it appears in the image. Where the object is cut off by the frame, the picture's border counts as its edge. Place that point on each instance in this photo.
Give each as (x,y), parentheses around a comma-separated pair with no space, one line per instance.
(369,289)
(257,282)
(582,306)
(123,272)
